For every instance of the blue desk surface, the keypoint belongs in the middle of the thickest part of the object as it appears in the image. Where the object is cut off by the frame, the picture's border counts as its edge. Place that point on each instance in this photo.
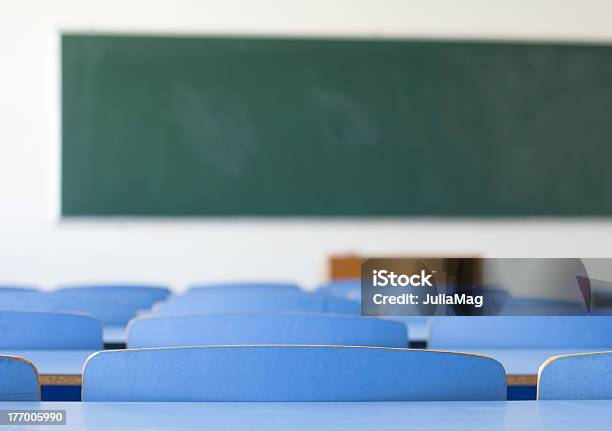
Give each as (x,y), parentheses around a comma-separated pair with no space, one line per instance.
(472,416)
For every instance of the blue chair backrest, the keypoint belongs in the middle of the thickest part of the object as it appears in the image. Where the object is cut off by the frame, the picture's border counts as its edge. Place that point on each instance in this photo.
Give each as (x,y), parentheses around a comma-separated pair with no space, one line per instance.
(237,294)
(16,289)
(140,296)
(253,328)
(18,380)
(290,373)
(237,302)
(535,332)
(21,295)
(261,287)
(38,330)
(110,313)
(349,288)
(341,306)
(584,376)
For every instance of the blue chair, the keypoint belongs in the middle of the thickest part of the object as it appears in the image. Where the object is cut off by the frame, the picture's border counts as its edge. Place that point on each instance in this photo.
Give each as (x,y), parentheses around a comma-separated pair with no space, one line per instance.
(252,328)
(583,376)
(21,295)
(238,302)
(261,287)
(520,332)
(349,288)
(4,288)
(38,330)
(218,295)
(290,373)
(232,292)
(139,296)
(341,306)
(110,313)
(18,380)
(107,312)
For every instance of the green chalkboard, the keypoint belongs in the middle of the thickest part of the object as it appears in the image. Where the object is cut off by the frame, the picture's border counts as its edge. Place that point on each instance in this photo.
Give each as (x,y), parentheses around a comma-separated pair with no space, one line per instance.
(207,126)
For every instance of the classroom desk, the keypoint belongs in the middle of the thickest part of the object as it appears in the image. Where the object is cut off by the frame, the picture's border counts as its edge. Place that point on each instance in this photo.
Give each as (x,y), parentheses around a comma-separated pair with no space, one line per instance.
(423,416)
(55,367)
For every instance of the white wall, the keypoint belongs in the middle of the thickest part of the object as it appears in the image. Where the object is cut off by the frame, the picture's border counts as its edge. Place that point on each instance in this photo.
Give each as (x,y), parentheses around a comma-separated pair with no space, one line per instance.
(36,247)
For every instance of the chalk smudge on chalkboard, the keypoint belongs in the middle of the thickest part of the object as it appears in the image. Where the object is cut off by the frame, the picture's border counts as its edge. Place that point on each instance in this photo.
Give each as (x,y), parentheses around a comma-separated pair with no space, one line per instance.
(217,129)
(342,122)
